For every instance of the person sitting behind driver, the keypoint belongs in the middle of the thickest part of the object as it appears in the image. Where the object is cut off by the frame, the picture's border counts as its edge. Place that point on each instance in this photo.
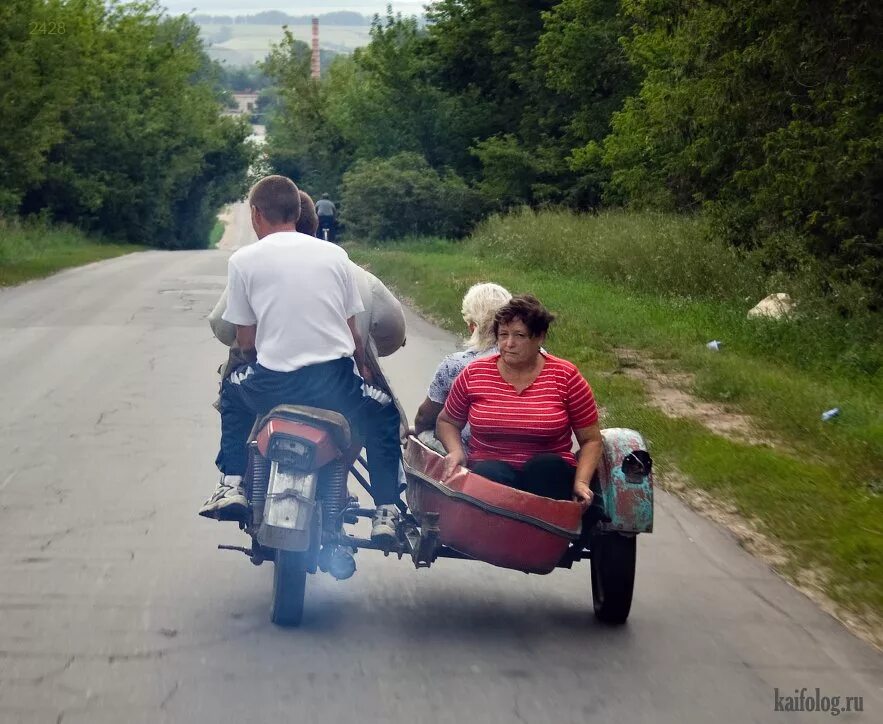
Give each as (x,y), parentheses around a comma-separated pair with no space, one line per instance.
(523,404)
(480,304)
(308,222)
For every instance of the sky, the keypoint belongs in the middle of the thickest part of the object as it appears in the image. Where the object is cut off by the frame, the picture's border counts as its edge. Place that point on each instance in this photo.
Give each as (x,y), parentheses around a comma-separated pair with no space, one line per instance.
(292,7)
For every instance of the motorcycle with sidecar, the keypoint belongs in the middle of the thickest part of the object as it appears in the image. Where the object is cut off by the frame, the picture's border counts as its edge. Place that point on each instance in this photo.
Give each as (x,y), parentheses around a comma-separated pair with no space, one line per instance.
(301,460)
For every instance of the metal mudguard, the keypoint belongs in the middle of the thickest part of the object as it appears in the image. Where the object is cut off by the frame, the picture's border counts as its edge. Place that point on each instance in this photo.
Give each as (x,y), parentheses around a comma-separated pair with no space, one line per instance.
(627,501)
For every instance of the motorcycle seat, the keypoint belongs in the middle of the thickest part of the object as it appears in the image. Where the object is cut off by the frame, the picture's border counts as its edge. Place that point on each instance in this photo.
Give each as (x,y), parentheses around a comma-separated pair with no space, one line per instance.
(335,423)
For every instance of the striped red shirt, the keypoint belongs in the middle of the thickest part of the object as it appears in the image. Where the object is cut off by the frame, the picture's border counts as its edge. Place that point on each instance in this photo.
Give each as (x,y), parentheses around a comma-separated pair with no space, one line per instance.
(514,427)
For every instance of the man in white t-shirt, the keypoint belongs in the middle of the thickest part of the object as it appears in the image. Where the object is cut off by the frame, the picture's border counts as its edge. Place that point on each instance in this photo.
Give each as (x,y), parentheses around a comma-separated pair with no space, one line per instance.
(293,299)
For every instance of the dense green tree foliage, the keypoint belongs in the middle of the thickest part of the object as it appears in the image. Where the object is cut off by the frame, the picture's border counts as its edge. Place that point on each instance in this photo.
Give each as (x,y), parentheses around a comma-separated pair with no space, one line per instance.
(110,118)
(767,113)
(242,78)
(763,115)
(404,195)
(304,144)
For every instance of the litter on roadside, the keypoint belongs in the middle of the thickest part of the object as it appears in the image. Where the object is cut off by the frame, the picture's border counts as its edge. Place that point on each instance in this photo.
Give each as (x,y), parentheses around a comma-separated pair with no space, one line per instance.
(775,306)
(830,414)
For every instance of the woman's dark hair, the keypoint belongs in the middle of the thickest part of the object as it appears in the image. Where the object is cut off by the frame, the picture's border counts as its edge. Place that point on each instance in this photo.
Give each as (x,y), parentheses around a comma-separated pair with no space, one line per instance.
(307,222)
(529,310)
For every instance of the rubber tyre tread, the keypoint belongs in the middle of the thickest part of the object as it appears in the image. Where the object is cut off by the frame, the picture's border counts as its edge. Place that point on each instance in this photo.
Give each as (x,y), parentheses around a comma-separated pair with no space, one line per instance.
(613,576)
(289,588)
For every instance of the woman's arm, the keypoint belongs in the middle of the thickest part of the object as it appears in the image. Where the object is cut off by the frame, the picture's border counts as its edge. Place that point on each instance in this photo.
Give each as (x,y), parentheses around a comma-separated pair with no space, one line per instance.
(359,353)
(590,448)
(427,414)
(246,336)
(447,430)
(224,331)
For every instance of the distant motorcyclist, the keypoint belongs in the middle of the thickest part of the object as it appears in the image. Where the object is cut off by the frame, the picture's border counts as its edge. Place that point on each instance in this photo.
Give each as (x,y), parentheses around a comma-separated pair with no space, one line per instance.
(327,213)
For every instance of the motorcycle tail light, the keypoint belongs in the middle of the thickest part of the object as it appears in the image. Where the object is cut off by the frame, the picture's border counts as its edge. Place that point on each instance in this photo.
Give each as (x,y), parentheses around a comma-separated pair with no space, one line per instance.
(292,452)
(291,498)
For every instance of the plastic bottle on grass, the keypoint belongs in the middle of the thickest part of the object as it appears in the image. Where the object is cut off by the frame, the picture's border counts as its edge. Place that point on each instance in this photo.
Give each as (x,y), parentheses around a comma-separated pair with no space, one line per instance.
(830,414)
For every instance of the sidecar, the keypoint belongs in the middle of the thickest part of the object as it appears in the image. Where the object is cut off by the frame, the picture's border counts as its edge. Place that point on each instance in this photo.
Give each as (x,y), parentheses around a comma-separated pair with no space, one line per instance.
(483,520)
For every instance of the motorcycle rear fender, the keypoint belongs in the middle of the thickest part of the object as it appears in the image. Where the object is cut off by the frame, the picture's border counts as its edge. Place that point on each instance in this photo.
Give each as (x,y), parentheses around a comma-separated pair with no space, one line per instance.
(290,509)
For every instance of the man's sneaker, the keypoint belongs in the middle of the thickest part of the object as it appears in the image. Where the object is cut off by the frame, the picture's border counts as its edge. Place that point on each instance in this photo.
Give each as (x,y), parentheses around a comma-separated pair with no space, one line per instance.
(228,501)
(385,519)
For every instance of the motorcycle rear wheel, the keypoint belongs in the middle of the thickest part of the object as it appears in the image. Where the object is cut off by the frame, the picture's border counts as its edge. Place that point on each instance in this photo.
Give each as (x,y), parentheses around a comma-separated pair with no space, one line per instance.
(613,576)
(289,588)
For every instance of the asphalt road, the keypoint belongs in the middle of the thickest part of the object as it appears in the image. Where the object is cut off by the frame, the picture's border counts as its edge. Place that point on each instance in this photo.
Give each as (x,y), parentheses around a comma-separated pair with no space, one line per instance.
(115,605)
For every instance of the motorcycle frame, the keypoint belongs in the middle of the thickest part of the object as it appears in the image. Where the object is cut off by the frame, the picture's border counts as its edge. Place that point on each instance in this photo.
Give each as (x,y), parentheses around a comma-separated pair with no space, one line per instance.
(417,539)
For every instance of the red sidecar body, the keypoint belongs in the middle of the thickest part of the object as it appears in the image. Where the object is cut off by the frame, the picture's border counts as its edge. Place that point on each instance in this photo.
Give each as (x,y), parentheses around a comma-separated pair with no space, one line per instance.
(489,521)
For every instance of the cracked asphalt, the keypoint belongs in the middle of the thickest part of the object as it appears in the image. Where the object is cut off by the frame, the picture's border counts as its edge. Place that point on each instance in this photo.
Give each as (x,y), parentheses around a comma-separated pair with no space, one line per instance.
(115,605)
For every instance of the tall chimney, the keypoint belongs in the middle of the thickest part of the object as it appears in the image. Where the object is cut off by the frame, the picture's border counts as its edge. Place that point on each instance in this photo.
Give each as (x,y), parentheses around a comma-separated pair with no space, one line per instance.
(315,62)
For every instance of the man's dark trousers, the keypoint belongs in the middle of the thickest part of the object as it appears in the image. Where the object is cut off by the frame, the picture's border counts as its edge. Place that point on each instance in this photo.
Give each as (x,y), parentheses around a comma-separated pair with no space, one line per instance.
(329,222)
(251,391)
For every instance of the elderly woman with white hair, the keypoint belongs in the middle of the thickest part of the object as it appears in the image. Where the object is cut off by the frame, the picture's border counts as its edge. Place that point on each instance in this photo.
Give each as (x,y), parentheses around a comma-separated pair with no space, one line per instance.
(480,304)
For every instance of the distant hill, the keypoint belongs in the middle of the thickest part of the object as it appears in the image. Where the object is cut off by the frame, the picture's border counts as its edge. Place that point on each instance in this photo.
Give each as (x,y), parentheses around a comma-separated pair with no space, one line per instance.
(276,17)
(238,43)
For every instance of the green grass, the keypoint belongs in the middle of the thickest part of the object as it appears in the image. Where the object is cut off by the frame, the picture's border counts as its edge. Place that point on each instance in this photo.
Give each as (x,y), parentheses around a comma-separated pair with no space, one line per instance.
(216,233)
(819,491)
(35,251)
(677,258)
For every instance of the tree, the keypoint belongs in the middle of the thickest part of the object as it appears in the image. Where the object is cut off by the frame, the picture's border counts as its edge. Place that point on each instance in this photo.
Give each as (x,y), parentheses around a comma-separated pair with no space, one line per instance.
(402,195)
(580,57)
(482,52)
(42,78)
(304,141)
(768,114)
(135,146)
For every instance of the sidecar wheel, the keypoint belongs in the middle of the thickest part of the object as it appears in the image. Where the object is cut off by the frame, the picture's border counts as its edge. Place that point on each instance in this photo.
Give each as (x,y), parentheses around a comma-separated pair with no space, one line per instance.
(289,587)
(613,576)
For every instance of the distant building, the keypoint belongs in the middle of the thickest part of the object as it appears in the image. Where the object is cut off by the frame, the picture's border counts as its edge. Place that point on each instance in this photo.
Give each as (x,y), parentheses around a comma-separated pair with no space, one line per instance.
(246,104)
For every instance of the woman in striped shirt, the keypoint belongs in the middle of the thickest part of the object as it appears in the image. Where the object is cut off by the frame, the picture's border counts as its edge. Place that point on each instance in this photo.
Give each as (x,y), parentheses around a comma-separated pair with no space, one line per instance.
(523,405)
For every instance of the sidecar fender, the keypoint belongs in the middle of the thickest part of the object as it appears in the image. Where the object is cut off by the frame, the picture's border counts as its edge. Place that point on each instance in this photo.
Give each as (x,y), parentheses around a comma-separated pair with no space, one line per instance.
(627,491)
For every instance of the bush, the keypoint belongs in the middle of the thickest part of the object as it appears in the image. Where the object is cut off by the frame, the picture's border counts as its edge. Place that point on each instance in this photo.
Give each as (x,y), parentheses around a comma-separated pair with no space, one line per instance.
(402,196)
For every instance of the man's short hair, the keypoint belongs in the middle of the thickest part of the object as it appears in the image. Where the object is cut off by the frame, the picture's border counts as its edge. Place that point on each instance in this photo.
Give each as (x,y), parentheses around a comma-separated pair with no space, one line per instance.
(277,198)
(308,221)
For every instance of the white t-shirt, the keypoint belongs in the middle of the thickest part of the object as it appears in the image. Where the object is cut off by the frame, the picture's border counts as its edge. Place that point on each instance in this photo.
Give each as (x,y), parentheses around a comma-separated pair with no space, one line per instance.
(299,291)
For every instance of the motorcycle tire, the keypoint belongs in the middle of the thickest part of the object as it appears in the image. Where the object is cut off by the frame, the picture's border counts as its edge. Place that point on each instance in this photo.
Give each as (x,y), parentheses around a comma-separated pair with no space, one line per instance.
(613,576)
(289,588)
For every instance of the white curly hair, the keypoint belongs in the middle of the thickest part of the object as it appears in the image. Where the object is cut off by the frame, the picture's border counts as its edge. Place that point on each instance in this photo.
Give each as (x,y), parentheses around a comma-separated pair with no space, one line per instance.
(480,304)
